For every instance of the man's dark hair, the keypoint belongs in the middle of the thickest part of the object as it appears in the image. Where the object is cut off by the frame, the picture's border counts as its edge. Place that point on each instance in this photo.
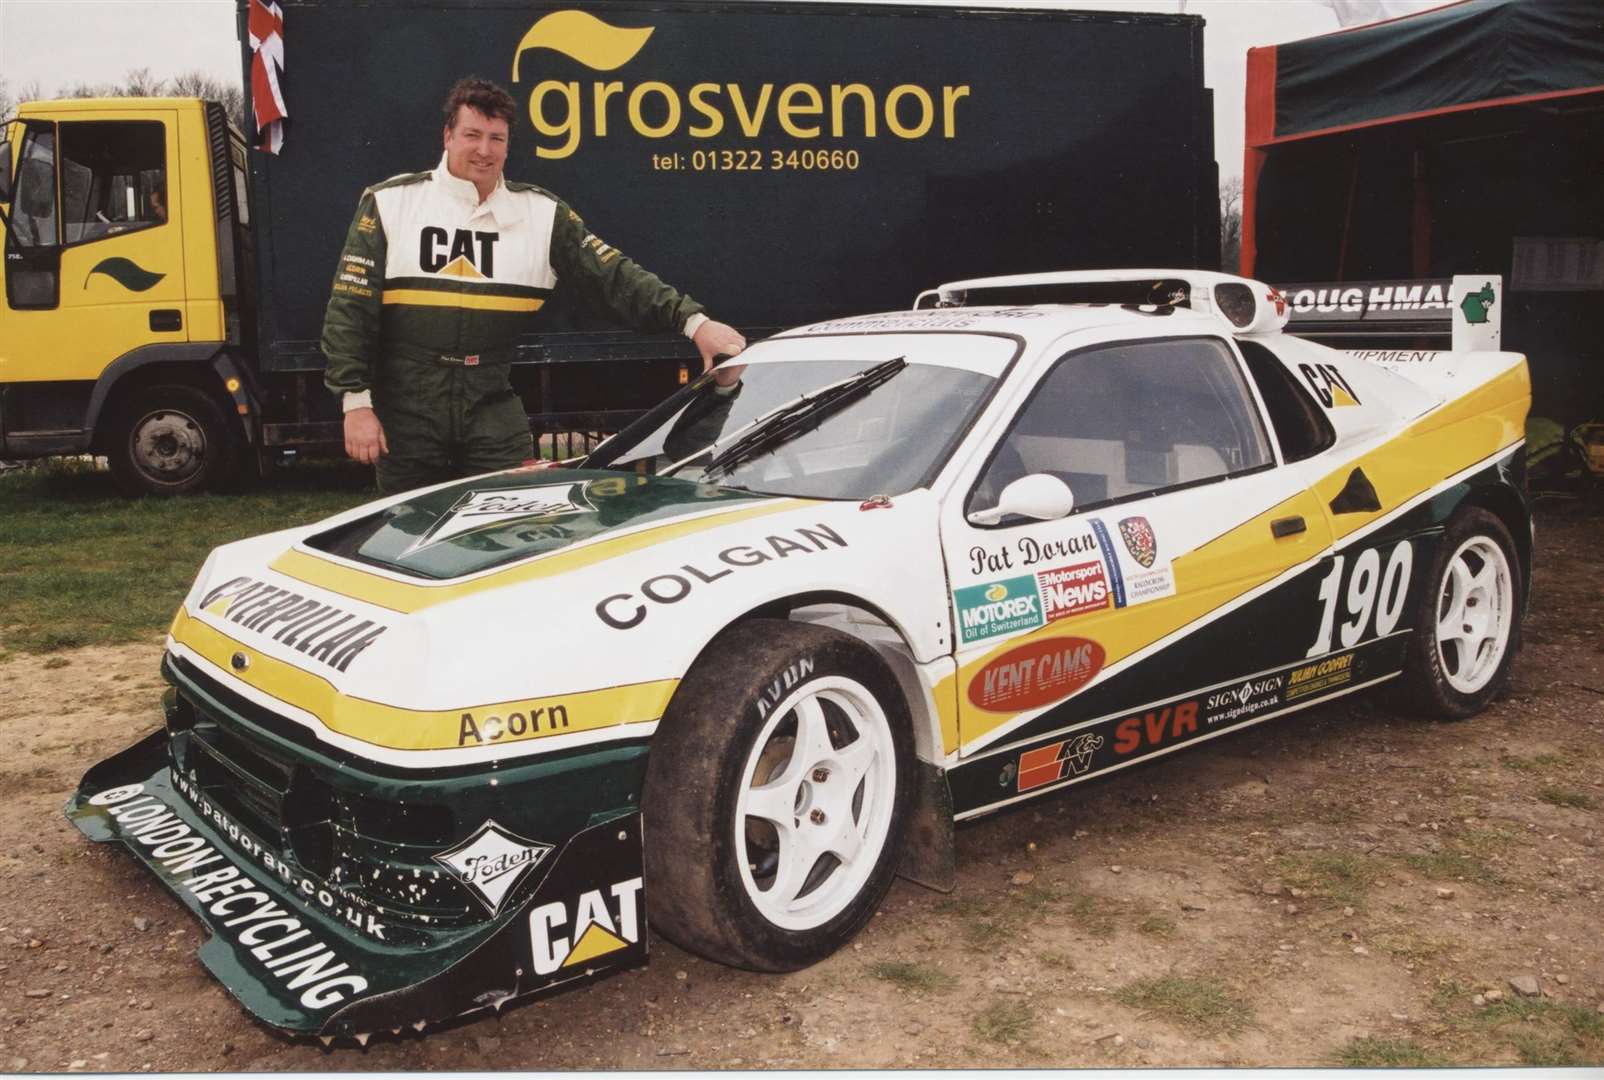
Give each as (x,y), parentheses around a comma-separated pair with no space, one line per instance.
(482,96)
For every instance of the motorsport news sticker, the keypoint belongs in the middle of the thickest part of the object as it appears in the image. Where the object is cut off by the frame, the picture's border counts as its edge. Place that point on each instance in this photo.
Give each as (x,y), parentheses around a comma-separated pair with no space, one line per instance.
(1002,607)
(1072,590)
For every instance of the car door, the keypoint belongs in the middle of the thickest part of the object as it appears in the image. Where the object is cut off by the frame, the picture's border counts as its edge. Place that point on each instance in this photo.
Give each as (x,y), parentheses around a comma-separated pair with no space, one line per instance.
(1100,625)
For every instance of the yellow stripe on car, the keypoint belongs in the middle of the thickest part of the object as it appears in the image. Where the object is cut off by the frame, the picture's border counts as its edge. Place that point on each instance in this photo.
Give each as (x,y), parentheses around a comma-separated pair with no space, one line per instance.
(395,728)
(1460,433)
(408,597)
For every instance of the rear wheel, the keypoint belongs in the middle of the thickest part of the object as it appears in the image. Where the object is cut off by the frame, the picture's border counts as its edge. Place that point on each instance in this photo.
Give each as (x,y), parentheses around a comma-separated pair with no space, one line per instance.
(776,796)
(170,440)
(1468,619)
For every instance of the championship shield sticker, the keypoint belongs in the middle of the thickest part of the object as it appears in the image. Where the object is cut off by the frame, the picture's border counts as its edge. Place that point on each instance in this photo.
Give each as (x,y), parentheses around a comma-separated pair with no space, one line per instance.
(1139,540)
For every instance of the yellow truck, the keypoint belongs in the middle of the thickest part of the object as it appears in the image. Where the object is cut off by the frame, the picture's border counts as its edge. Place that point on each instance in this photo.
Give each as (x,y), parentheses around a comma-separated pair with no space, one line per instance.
(127,264)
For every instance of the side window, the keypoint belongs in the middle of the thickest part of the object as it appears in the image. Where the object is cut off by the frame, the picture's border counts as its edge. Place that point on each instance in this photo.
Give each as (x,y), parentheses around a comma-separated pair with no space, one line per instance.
(33,242)
(113,178)
(33,211)
(1300,427)
(1120,421)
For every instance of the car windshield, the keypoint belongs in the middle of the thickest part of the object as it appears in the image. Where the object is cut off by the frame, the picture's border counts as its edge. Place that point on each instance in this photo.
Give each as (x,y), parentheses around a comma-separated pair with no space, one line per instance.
(834,417)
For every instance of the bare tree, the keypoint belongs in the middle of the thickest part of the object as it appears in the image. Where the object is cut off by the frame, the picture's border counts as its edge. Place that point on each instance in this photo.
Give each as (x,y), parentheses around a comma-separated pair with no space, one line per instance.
(7,103)
(1231,225)
(199,84)
(139,82)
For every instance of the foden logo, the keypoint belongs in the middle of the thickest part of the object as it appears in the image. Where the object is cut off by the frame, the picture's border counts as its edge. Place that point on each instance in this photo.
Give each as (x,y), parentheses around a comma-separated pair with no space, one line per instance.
(656,110)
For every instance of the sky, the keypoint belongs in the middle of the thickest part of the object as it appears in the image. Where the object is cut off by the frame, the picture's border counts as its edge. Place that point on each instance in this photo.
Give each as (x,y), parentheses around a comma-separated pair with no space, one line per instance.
(56,43)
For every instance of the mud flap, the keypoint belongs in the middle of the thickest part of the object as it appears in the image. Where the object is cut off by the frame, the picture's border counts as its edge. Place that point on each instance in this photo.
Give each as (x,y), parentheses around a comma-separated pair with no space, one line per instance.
(301,961)
(931,858)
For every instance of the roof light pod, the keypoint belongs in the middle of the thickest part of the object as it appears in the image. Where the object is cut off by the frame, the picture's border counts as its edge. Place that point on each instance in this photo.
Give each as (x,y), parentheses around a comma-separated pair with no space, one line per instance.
(1251,307)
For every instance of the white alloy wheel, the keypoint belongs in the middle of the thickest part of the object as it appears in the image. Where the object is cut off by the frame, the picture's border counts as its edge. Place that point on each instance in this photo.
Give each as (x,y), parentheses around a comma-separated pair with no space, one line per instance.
(1475,612)
(816,802)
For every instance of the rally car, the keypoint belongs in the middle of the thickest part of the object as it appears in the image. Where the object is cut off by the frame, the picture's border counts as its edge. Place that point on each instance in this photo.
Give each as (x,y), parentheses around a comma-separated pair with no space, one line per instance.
(758,652)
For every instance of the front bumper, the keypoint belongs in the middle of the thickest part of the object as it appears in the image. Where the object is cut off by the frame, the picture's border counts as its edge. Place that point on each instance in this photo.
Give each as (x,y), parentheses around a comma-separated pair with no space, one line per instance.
(326,921)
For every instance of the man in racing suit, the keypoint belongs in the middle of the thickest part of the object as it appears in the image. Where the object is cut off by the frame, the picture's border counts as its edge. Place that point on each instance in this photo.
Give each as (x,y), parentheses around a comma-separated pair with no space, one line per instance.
(440,273)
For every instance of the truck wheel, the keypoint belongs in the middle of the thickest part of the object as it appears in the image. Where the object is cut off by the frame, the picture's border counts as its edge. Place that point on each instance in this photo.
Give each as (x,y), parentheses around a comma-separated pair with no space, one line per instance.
(1467,619)
(776,796)
(170,440)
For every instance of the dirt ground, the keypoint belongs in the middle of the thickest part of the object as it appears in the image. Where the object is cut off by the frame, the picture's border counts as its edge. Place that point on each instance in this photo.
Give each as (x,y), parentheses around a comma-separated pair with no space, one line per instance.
(1346,885)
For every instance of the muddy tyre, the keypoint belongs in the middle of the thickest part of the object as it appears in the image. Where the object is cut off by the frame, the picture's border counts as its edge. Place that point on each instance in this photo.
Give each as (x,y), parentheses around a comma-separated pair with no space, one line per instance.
(170,440)
(1467,620)
(776,796)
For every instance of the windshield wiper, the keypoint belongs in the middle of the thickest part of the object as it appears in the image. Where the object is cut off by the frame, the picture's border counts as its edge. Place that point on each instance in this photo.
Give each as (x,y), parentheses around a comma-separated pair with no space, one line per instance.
(805,413)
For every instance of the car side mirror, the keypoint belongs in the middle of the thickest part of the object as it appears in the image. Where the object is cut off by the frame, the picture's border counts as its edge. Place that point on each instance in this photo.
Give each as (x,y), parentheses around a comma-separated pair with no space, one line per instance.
(1040,496)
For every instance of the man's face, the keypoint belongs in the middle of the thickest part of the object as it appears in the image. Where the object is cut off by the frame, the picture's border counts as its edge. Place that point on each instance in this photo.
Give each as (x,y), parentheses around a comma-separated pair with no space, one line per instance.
(476,148)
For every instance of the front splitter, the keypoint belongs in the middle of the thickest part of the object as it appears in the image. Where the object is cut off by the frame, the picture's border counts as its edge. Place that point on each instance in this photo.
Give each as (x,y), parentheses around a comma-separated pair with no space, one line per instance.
(309,971)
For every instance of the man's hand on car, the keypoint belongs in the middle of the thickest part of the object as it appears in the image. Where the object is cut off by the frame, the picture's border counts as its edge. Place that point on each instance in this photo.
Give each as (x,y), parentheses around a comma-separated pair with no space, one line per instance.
(364,436)
(713,339)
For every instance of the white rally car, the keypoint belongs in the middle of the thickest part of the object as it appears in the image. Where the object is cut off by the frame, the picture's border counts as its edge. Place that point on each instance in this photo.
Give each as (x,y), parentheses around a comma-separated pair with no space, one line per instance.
(763,648)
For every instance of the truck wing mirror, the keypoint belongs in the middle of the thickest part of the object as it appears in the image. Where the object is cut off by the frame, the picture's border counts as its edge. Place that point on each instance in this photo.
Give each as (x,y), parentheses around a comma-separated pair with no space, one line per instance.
(1040,496)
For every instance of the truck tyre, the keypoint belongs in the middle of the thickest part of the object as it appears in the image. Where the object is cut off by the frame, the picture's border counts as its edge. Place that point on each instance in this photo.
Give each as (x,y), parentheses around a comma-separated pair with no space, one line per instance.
(170,440)
(1467,620)
(776,796)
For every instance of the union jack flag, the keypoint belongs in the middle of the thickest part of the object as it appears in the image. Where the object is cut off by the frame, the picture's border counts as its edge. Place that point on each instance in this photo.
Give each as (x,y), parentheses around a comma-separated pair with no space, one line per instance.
(266,28)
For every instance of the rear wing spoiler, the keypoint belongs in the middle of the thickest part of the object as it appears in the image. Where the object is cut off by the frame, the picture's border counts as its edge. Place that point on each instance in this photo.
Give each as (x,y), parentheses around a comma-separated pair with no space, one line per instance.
(1463,313)
(1382,320)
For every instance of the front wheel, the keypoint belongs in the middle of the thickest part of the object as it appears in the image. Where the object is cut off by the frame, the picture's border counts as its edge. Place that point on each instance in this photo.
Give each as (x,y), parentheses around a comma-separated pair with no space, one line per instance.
(776,796)
(1468,619)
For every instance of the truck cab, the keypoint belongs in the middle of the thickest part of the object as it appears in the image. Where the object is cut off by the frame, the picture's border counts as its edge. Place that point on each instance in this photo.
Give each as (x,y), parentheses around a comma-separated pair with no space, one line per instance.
(126,264)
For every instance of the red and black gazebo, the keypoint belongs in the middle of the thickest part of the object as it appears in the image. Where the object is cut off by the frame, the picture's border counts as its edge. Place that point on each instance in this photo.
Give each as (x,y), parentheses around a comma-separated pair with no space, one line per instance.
(1467,138)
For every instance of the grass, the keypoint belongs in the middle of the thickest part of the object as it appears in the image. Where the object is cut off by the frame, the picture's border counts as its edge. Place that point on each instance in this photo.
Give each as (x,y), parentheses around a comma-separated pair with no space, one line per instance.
(987,925)
(1481,843)
(1544,1033)
(1451,866)
(1449,993)
(82,565)
(1004,1021)
(1534,763)
(1159,926)
(1547,1053)
(914,978)
(1555,796)
(1093,914)
(1203,1006)
(1343,877)
(1416,949)
(1370,1052)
